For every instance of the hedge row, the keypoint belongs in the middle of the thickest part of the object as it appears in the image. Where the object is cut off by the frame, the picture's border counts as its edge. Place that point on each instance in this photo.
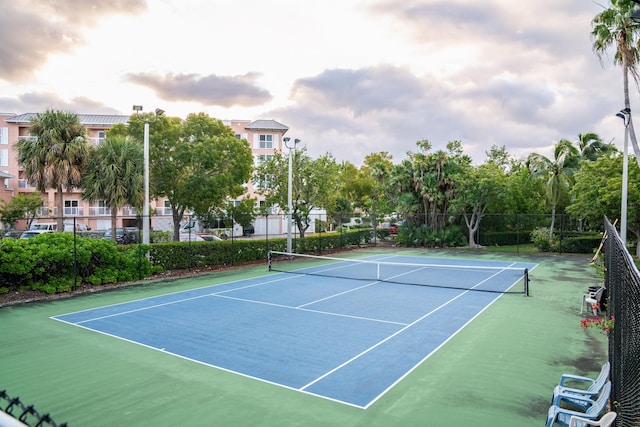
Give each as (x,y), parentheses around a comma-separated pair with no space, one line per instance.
(183,255)
(56,262)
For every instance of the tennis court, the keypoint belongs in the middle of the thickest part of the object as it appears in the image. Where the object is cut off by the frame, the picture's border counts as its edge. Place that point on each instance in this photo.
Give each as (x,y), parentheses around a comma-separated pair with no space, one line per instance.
(343,330)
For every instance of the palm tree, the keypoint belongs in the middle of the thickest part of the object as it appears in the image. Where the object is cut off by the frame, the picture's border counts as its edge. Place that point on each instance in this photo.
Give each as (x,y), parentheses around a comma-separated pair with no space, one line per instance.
(591,146)
(56,157)
(614,27)
(115,175)
(557,172)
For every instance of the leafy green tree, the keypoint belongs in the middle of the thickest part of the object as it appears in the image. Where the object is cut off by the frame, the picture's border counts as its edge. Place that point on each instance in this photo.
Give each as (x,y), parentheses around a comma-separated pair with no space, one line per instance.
(596,193)
(477,188)
(378,167)
(244,212)
(523,194)
(315,184)
(500,157)
(56,157)
(613,27)
(197,164)
(24,205)
(356,185)
(115,174)
(424,183)
(557,173)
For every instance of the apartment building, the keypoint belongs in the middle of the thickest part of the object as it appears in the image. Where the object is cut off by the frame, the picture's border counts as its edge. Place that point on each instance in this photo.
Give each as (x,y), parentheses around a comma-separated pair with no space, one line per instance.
(264,136)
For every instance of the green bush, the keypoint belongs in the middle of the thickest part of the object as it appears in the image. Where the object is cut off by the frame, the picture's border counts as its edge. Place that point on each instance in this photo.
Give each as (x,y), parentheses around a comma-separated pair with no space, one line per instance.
(584,244)
(56,262)
(504,238)
(421,236)
(573,242)
(540,239)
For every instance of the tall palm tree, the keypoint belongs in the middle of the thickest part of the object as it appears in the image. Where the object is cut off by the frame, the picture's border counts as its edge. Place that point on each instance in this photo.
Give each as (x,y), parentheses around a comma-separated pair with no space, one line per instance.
(614,27)
(558,172)
(56,157)
(115,174)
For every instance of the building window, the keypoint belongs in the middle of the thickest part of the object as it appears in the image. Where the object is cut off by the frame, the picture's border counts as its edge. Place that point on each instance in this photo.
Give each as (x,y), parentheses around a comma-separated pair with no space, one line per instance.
(266,141)
(4,136)
(167,208)
(261,158)
(71,207)
(102,209)
(4,157)
(101,137)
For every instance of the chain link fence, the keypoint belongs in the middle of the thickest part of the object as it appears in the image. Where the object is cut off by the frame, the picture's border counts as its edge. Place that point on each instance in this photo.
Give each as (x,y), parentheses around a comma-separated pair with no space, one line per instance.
(622,281)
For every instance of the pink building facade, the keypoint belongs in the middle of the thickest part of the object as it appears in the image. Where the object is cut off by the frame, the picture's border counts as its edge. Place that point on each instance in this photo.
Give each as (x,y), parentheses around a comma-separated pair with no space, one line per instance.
(264,136)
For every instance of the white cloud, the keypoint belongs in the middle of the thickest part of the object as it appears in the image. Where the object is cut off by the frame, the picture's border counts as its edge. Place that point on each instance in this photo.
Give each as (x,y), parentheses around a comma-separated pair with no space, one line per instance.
(347,76)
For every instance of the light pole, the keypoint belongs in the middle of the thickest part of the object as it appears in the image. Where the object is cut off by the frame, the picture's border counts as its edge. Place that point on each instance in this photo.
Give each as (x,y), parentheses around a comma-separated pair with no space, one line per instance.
(290,190)
(145,208)
(625,115)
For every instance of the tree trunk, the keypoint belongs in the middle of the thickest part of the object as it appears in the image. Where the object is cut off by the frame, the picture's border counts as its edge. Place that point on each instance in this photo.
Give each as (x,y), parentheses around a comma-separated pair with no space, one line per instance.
(177,218)
(60,206)
(114,223)
(553,220)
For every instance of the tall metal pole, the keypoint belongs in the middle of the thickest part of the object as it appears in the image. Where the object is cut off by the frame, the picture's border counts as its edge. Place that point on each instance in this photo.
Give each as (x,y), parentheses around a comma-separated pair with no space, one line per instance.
(625,187)
(145,208)
(289,196)
(625,115)
(290,191)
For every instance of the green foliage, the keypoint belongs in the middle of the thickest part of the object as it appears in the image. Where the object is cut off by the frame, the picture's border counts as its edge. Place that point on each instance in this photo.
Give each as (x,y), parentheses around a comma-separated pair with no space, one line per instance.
(314,184)
(196,163)
(21,206)
(46,262)
(540,238)
(159,236)
(582,243)
(504,238)
(421,235)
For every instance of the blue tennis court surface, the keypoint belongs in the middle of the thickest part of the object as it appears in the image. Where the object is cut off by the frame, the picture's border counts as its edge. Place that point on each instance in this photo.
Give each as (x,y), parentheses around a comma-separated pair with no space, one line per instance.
(341,339)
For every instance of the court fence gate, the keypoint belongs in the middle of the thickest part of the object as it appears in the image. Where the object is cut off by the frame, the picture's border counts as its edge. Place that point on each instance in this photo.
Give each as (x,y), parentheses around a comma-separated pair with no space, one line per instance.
(622,281)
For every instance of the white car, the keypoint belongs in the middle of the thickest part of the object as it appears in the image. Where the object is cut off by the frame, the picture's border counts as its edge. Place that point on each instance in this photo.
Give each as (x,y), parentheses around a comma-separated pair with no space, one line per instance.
(31,233)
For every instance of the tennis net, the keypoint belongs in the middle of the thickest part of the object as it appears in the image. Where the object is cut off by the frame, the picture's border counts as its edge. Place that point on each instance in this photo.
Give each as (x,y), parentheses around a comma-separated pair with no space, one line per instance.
(473,276)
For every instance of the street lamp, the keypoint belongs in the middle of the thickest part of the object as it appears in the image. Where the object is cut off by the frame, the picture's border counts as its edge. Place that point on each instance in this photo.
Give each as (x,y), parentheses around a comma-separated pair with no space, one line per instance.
(625,115)
(289,189)
(145,207)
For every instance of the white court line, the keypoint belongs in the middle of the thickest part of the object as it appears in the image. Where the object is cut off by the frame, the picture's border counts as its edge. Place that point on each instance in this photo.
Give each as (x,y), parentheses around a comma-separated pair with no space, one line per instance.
(149,307)
(310,310)
(356,357)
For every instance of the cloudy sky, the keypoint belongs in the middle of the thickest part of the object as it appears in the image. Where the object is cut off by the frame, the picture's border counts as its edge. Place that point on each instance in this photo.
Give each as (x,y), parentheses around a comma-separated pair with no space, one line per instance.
(349,77)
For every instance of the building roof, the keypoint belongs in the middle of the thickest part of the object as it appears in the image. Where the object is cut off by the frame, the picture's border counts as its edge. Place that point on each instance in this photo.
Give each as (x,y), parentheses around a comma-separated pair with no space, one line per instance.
(5,175)
(85,119)
(267,125)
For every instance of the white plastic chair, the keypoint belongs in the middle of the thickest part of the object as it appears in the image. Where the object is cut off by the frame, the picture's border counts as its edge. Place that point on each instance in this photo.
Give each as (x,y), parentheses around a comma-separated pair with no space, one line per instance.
(593,297)
(606,421)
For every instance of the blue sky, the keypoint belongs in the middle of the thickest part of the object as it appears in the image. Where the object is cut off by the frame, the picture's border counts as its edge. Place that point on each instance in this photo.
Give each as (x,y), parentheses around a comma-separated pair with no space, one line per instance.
(349,77)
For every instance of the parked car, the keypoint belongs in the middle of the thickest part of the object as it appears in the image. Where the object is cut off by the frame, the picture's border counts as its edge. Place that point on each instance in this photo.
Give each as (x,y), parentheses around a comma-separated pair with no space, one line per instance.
(248,230)
(125,235)
(393,229)
(32,233)
(131,235)
(209,237)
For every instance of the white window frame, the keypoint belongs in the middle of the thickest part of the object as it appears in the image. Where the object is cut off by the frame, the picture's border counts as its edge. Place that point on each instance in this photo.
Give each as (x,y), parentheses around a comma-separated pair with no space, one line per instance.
(72,207)
(4,136)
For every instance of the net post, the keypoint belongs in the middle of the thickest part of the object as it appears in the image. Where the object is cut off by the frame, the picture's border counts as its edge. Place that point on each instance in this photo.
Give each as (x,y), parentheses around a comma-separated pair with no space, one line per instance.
(526,282)
(269,257)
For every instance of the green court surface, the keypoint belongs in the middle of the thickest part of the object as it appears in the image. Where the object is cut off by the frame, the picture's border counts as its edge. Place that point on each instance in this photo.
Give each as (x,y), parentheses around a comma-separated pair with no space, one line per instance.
(499,370)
